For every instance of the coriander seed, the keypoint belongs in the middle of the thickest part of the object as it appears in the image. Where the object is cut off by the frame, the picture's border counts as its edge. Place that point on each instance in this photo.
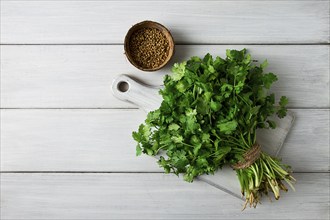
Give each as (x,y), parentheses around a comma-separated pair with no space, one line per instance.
(149,47)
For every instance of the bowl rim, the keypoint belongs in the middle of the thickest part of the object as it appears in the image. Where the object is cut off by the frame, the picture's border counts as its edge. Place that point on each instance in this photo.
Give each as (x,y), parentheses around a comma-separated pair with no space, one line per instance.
(135,27)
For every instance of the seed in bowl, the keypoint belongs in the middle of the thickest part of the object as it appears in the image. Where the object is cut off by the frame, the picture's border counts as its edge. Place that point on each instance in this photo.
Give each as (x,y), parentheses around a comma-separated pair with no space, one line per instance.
(149,47)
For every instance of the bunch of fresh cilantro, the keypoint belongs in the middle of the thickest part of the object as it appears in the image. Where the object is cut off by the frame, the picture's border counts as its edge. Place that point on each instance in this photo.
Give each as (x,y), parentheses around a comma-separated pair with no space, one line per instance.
(210,111)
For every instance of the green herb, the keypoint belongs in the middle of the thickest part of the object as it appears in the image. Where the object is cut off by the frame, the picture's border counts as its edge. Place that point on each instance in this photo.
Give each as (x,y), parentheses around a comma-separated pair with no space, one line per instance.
(209,115)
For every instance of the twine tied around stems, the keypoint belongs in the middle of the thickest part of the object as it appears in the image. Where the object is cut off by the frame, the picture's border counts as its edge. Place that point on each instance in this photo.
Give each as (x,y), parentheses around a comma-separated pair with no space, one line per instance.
(249,156)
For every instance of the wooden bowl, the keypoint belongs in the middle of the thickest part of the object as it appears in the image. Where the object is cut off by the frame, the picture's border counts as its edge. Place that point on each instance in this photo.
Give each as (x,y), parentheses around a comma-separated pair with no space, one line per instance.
(148,24)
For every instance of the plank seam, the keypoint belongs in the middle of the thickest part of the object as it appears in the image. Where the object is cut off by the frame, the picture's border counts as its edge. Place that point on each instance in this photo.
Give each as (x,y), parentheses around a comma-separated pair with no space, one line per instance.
(290,108)
(177,44)
(120,172)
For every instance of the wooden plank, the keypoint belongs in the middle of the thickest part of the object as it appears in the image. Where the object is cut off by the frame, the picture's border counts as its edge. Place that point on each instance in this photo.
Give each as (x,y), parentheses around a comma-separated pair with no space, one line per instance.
(69,140)
(308,143)
(149,196)
(80,76)
(216,22)
(100,140)
(154,0)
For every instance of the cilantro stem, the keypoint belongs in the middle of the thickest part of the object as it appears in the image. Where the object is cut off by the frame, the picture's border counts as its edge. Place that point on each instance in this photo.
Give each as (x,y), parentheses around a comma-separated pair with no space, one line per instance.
(160,149)
(230,142)
(188,145)
(247,145)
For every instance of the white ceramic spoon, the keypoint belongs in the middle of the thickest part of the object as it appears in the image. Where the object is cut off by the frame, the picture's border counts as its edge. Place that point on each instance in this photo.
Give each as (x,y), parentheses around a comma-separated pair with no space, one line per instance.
(146,97)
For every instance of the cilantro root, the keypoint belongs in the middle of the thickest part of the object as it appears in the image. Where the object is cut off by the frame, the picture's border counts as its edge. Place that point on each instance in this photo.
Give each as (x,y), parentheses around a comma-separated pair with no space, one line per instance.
(265,175)
(209,115)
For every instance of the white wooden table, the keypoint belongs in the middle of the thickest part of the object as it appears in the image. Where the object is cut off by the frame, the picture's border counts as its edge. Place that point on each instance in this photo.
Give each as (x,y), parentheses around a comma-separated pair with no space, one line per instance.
(66,146)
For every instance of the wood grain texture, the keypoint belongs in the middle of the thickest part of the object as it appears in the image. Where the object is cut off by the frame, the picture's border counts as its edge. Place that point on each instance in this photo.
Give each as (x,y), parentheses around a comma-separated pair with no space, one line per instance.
(145,0)
(216,22)
(70,75)
(149,196)
(100,140)
(80,76)
(303,144)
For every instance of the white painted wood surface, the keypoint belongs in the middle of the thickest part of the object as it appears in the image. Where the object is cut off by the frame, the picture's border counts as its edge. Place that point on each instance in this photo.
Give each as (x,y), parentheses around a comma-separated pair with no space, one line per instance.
(100,140)
(80,76)
(149,196)
(190,22)
(67,74)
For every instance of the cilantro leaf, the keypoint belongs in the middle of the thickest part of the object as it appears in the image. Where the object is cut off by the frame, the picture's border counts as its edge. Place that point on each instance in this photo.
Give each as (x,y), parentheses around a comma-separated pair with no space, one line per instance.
(138,150)
(268,79)
(178,71)
(227,127)
(281,112)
